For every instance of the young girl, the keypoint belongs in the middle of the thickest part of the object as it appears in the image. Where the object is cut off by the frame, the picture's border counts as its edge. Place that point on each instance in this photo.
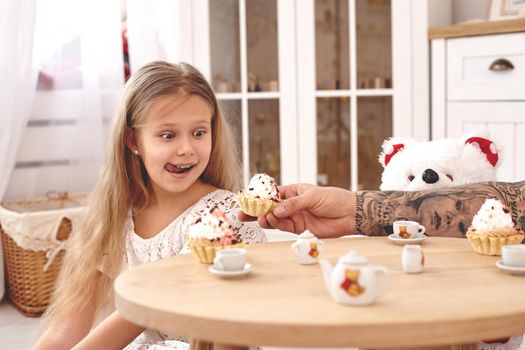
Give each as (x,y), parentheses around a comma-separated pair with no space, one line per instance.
(169,161)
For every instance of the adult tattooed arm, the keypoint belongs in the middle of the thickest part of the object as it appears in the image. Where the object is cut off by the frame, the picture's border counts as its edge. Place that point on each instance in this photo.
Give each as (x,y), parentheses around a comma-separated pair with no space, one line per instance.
(332,212)
(444,212)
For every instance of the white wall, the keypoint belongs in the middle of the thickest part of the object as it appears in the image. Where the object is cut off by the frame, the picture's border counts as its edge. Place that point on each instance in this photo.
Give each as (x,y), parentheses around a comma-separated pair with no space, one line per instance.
(464,10)
(446,12)
(439,13)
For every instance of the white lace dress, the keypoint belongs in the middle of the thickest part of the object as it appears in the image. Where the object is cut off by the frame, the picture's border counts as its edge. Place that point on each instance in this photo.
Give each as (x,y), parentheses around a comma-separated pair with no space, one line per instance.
(173,240)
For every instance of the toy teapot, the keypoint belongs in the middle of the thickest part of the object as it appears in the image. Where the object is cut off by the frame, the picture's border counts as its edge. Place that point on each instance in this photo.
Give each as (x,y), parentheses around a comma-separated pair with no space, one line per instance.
(353,280)
(307,248)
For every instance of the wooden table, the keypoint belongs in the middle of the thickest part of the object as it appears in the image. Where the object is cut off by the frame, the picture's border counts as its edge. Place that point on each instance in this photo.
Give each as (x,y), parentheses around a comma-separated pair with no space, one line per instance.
(461,297)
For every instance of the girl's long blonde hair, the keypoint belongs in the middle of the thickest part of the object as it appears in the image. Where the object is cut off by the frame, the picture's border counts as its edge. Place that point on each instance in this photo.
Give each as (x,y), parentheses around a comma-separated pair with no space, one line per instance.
(123,184)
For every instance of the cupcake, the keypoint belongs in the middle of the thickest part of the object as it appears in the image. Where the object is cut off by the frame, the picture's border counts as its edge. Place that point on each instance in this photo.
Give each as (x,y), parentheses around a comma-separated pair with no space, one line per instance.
(492,228)
(260,197)
(212,232)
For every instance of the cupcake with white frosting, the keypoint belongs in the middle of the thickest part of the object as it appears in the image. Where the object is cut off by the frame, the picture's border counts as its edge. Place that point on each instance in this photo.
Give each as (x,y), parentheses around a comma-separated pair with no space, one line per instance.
(212,232)
(492,228)
(260,197)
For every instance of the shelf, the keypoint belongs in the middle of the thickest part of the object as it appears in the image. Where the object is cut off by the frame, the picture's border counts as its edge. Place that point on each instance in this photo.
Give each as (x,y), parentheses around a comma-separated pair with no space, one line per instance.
(249,95)
(478,28)
(359,92)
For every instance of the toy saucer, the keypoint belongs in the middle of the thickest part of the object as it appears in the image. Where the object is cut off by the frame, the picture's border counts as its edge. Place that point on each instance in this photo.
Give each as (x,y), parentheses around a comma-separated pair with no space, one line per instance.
(402,241)
(513,270)
(246,270)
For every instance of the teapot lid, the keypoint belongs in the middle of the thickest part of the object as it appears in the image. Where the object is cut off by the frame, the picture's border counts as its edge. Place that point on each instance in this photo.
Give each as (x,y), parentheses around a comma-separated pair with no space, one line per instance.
(307,234)
(353,257)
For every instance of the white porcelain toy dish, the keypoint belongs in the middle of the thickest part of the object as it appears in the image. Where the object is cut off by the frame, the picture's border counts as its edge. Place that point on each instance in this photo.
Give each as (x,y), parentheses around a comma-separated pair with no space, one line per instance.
(402,241)
(216,271)
(513,270)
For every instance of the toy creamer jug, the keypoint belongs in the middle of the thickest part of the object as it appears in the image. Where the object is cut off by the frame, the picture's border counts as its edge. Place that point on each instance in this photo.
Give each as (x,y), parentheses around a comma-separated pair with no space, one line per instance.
(307,248)
(353,280)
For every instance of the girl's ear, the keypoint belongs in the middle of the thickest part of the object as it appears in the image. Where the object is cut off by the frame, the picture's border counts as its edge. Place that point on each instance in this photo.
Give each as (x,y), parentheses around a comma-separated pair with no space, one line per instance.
(131,141)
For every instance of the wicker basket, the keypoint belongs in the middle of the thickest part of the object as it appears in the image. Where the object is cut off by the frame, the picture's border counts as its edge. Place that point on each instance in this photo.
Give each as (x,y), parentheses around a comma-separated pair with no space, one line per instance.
(30,277)
(28,286)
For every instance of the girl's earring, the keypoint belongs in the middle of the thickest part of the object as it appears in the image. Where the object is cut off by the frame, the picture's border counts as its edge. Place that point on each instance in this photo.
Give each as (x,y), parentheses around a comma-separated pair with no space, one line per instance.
(136,152)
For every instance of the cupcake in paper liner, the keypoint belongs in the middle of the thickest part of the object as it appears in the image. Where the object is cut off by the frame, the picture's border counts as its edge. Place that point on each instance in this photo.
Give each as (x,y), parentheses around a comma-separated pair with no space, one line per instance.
(492,228)
(212,232)
(260,197)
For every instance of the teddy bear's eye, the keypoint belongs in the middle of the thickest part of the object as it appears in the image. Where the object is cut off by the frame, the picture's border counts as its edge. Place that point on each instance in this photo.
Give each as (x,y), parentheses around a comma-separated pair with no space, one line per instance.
(450,177)
(411,177)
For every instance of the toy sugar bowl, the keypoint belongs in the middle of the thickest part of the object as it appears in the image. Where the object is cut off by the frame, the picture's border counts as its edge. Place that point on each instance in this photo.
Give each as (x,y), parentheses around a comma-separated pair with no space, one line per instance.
(307,248)
(412,259)
(353,280)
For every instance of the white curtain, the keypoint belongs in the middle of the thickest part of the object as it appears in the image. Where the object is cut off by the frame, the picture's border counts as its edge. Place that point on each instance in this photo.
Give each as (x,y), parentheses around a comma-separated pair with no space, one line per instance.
(54,118)
(78,46)
(18,79)
(16,86)
(153,31)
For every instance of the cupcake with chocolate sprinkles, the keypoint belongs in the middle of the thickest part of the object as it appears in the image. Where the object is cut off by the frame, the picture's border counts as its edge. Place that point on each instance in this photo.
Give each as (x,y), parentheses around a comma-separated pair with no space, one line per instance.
(260,197)
(212,232)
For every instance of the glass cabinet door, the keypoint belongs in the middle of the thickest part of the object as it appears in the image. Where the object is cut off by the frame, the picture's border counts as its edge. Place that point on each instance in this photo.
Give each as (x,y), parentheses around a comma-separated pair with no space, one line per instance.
(245,75)
(374,120)
(333,139)
(308,84)
(353,90)
(225,46)
(373,44)
(374,79)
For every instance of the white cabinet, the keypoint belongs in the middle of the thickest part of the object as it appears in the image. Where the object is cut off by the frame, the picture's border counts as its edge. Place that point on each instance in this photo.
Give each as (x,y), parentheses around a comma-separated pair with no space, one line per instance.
(478,82)
(488,67)
(312,87)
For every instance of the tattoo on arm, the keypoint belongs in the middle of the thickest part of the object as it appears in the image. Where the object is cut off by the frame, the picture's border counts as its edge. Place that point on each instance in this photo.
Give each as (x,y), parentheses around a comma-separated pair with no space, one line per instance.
(444,212)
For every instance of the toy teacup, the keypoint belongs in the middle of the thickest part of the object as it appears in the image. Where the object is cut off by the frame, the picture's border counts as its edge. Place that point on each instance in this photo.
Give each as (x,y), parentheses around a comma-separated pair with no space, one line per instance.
(408,229)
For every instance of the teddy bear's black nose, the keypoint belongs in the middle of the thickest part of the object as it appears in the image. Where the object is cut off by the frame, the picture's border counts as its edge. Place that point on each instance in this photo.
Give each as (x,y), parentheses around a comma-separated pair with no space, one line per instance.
(430,176)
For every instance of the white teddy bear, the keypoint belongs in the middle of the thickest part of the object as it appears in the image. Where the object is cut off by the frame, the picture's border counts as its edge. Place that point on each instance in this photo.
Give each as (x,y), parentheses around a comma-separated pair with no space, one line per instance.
(419,165)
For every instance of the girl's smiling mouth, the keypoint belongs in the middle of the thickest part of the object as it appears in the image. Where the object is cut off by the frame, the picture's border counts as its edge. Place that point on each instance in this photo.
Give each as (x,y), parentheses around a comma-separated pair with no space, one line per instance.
(179,168)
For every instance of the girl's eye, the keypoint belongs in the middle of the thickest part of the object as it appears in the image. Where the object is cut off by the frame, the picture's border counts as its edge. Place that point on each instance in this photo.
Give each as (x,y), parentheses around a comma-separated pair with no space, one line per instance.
(199,133)
(167,135)
(411,177)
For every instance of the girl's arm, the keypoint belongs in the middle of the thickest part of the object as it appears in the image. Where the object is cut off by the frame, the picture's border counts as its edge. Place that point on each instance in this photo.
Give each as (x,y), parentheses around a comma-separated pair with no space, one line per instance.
(68,331)
(114,332)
